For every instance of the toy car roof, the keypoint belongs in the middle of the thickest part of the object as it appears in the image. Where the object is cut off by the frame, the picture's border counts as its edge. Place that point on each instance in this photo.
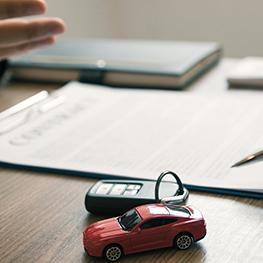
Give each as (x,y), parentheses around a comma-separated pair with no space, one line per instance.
(157,210)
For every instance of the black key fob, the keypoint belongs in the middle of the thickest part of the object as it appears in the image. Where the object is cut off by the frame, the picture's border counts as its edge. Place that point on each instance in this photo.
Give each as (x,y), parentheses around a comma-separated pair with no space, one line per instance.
(115,197)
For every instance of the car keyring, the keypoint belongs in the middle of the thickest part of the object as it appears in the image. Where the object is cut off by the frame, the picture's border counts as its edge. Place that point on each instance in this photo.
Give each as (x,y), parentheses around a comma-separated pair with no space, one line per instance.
(115,197)
(180,196)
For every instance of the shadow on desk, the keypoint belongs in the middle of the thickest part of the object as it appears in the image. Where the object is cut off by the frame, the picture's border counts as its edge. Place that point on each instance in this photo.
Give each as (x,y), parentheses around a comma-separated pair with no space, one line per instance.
(196,253)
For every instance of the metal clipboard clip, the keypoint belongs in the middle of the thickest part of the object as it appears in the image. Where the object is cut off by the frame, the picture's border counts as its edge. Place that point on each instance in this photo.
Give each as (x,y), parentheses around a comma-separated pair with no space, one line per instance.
(28,109)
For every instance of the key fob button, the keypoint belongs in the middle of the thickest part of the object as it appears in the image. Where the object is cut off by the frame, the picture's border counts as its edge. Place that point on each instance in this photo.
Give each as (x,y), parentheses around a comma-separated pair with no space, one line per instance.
(118,189)
(137,187)
(133,187)
(104,189)
(130,192)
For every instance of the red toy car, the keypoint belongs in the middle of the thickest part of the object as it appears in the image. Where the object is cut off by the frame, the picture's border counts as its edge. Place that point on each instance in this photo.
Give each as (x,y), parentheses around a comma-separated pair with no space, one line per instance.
(144,228)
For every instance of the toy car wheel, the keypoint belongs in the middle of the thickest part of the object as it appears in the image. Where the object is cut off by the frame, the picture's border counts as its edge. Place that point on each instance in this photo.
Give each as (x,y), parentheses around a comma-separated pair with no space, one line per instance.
(183,241)
(113,253)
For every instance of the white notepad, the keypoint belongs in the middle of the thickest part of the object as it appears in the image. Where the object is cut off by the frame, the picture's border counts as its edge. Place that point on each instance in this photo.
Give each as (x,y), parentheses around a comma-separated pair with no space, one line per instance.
(247,72)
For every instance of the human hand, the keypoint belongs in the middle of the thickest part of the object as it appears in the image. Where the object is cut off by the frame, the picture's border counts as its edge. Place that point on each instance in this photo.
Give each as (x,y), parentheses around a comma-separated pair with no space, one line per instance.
(18,35)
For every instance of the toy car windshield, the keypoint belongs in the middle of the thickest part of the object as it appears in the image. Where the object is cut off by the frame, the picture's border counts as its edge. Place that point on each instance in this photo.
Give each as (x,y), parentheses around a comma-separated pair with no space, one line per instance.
(129,220)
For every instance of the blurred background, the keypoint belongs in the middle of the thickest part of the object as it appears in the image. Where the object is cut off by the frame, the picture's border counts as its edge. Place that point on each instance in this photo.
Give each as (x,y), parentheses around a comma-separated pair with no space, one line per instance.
(236,24)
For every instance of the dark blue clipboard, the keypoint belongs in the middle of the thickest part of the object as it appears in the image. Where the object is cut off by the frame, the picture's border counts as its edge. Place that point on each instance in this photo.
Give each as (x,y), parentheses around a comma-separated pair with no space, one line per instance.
(215,190)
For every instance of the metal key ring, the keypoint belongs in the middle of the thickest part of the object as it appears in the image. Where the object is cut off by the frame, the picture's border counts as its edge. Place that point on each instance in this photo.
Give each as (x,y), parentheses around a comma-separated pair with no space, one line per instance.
(180,190)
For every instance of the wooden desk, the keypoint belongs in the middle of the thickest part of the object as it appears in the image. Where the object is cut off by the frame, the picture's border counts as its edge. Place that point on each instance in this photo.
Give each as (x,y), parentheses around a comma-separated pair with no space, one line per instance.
(42,216)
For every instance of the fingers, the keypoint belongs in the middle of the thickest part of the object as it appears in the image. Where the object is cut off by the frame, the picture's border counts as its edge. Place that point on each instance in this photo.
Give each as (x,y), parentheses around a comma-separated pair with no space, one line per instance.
(20,35)
(19,31)
(16,50)
(18,8)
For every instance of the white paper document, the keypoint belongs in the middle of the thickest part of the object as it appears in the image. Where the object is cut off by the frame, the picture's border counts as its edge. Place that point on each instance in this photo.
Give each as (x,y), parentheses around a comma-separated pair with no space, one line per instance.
(139,134)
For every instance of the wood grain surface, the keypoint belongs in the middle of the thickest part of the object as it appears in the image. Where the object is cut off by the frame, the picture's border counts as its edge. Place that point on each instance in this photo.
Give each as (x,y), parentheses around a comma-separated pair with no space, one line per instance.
(42,216)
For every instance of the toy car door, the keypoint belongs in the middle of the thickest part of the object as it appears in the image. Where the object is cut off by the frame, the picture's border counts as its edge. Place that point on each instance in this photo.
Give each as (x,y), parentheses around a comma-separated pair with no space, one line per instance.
(151,234)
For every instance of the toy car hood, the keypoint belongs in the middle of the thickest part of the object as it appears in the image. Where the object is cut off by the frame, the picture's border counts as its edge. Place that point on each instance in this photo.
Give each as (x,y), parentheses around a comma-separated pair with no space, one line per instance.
(103,229)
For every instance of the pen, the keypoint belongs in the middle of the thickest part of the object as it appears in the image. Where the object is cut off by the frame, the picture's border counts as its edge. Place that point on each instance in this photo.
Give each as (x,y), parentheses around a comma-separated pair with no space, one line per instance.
(37,104)
(252,157)
(25,104)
